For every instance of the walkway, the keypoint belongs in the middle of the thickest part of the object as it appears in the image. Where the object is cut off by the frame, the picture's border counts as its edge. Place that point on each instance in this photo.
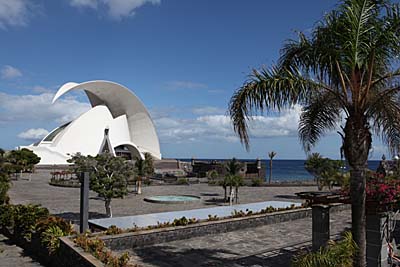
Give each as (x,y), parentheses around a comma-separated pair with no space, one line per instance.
(12,255)
(270,245)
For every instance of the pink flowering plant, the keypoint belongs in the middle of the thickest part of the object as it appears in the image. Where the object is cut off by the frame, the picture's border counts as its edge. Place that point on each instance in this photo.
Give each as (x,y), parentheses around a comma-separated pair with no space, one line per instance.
(383,192)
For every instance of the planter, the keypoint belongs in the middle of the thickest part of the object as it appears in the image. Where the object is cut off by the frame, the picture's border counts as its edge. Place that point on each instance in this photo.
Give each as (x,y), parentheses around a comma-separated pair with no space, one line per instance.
(377,247)
(375,207)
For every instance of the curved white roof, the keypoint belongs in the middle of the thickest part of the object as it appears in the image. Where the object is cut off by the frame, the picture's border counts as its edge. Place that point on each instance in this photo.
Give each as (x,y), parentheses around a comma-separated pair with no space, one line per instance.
(112,104)
(120,101)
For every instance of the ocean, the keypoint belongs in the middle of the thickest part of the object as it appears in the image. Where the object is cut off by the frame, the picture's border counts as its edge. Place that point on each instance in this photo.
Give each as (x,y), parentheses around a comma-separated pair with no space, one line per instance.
(290,170)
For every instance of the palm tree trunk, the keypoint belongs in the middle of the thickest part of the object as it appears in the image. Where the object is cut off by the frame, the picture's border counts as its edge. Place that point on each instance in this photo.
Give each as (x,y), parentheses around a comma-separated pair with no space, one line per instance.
(270,170)
(139,185)
(236,194)
(225,193)
(357,143)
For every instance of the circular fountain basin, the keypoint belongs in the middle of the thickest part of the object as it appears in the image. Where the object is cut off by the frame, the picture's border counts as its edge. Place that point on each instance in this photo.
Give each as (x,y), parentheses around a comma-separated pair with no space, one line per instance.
(172,199)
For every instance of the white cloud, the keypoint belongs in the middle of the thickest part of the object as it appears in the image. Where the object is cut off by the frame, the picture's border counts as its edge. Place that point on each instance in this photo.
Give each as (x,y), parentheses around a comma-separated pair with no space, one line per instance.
(10,72)
(15,13)
(84,3)
(219,127)
(207,110)
(116,9)
(125,8)
(33,134)
(176,85)
(20,108)
(41,89)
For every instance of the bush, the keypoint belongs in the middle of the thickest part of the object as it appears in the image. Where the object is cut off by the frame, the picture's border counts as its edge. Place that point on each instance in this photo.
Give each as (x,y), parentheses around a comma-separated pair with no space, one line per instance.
(113,230)
(256,181)
(24,218)
(98,249)
(212,218)
(6,216)
(147,181)
(335,255)
(182,181)
(4,186)
(50,229)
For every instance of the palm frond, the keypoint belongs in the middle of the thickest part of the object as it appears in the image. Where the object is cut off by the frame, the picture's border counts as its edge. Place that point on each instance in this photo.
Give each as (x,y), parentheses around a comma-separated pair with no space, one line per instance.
(319,116)
(268,90)
(385,114)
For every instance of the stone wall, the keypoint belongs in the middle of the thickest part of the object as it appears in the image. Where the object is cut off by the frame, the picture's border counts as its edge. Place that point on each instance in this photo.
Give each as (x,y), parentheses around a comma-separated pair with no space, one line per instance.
(149,237)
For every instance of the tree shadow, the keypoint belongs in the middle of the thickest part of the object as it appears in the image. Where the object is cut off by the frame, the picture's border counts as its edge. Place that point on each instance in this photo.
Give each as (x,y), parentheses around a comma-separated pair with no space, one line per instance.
(277,258)
(24,252)
(168,256)
(209,194)
(287,196)
(215,202)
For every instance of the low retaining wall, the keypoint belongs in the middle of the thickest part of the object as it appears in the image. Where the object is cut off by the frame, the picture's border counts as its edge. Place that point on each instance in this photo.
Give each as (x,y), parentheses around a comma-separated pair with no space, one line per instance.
(72,255)
(155,236)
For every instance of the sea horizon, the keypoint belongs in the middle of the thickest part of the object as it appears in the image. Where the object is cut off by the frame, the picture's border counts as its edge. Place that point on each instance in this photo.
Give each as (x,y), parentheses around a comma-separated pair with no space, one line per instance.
(284,169)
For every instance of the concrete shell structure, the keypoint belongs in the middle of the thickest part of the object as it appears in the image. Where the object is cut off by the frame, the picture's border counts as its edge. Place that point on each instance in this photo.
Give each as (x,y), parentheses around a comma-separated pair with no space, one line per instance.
(131,130)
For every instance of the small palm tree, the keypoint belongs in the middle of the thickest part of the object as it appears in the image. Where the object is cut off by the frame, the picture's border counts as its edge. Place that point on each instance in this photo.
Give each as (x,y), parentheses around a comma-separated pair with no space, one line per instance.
(237,181)
(232,178)
(143,168)
(344,70)
(271,155)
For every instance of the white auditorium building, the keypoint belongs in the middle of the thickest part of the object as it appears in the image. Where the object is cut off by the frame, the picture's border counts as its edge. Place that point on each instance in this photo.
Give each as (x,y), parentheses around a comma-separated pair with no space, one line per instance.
(131,131)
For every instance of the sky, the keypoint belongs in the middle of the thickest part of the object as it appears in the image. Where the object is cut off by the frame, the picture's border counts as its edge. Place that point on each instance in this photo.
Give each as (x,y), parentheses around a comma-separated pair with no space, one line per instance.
(183,58)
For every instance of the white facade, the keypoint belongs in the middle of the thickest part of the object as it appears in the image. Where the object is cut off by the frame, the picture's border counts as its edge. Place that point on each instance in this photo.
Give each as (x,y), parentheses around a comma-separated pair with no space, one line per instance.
(113,107)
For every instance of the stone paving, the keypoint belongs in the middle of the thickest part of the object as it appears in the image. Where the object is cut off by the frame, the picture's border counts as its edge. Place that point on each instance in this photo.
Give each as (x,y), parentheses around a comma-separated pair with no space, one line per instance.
(65,201)
(270,245)
(12,255)
(220,250)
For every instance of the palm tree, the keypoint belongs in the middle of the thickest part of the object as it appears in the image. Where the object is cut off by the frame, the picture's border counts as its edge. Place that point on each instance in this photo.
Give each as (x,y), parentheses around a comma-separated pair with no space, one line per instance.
(271,155)
(143,168)
(343,71)
(232,178)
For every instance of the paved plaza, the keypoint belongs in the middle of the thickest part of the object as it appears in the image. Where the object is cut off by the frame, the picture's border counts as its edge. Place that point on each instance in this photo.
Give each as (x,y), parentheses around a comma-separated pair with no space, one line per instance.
(65,201)
(270,245)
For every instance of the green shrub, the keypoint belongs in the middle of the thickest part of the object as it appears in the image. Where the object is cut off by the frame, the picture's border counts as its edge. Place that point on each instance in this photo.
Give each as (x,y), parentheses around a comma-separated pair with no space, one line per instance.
(182,181)
(50,229)
(113,230)
(147,181)
(4,186)
(338,254)
(98,249)
(6,216)
(50,238)
(25,218)
(256,181)
(212,218)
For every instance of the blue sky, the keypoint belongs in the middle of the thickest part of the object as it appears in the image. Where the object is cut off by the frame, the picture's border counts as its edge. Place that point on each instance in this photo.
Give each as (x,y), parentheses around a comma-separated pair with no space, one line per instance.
(184,59)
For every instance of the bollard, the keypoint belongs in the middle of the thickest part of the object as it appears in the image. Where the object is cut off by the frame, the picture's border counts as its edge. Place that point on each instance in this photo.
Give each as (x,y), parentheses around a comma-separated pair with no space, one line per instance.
(320,226)
(84,206)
